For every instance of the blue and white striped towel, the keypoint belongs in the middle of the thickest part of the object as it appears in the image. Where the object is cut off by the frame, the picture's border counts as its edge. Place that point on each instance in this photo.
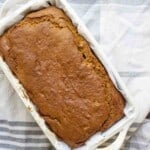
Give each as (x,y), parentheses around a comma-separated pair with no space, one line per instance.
(122,27)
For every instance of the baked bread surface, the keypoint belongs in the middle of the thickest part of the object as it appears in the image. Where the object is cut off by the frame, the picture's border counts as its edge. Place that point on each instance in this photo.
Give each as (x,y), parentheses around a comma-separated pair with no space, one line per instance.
(67,83)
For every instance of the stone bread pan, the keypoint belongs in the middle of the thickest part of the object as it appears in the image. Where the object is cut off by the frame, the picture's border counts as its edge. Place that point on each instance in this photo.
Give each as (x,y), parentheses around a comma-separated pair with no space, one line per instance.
(20,8)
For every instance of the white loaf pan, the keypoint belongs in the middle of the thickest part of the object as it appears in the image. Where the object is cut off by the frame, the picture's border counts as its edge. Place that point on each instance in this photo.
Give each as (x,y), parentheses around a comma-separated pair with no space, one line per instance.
(15,10)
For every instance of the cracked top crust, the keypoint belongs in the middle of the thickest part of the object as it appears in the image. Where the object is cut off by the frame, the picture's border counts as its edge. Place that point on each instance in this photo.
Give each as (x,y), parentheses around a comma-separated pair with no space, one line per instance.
(69,86)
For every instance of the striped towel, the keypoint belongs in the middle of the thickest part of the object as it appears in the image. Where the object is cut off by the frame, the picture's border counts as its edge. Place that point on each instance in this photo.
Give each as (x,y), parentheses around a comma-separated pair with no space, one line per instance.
(122,28)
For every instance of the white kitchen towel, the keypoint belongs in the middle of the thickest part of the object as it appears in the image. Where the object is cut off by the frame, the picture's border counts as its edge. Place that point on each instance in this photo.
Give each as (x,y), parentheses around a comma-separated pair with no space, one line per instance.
(122,27)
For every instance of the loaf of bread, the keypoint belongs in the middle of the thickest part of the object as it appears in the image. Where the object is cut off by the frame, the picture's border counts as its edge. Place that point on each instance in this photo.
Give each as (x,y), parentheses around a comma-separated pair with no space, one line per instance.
(63,78)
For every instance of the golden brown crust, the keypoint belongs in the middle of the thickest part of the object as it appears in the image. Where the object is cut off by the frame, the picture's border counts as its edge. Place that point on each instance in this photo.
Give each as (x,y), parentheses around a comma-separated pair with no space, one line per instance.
(63,78)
